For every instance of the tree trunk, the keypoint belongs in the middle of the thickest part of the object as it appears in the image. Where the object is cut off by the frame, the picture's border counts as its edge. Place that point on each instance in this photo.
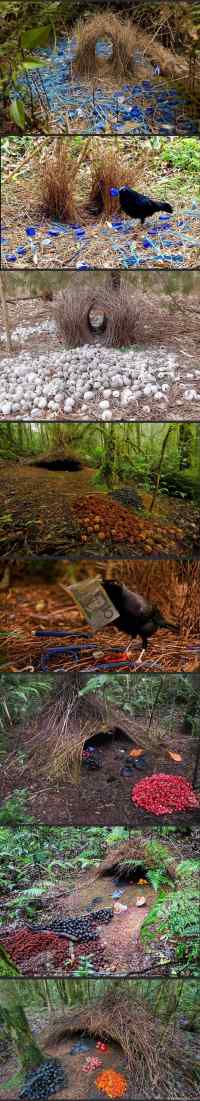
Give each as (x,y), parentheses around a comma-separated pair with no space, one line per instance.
(5,315)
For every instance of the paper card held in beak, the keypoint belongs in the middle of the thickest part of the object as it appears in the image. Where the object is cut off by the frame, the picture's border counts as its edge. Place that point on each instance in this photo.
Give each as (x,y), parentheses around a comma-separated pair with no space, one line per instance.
(94,603)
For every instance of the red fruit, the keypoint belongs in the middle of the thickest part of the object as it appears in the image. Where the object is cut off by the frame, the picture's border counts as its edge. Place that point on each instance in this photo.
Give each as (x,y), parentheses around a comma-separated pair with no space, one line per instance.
(164,794)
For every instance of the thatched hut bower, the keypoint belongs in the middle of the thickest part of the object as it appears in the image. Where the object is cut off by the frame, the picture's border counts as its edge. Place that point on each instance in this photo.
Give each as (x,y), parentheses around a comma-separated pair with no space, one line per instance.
(55,742)
(134,858)
(118,33)
(154,1056)
(125,40)
(55,460)
(105,315)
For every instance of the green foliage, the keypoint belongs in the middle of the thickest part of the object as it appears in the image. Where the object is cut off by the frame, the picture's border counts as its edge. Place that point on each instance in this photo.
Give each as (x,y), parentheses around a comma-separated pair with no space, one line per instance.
(21,696)
(183,155)
(157,877)
(177,914)
(13,811)
(23,32)
(85,967)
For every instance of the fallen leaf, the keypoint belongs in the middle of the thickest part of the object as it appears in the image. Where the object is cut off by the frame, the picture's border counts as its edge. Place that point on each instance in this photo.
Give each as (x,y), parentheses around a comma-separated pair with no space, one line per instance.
(136,752)
(175,756)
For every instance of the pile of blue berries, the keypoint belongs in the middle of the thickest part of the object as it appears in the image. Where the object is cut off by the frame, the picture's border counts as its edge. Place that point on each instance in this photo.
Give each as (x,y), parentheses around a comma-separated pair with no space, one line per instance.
(43,1082)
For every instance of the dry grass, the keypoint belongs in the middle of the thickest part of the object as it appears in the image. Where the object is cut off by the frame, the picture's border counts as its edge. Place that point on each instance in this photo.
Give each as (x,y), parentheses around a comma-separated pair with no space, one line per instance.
(72,313)
(56,184)
(123,37)
(153,1052)
(108,171)
(129,318)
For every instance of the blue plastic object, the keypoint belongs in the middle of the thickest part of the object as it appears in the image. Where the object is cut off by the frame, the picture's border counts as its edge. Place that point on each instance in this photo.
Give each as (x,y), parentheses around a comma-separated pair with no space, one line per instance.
(30,231)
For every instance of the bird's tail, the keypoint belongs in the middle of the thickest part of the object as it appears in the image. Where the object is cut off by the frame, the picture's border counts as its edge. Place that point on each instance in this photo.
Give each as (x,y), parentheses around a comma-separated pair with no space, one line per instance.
(164,206)
(171,627)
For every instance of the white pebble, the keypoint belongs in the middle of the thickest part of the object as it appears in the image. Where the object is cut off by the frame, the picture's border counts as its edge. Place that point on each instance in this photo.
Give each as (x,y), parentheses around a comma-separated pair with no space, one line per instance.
(107,415)
(191,395)
(69,405)
(6,408)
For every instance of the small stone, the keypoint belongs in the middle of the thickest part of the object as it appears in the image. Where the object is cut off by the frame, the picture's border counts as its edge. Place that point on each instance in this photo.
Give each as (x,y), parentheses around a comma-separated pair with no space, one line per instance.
(69,405)
(191,395)
(6,408)
(118,380)
(42,402)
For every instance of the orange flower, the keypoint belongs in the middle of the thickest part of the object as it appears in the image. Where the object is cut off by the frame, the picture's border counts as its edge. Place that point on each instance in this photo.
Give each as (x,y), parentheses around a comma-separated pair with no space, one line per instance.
(111,1083)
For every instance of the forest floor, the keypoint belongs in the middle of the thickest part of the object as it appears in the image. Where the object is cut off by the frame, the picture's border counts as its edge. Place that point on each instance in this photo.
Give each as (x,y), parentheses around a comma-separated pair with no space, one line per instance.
(163,379)
(75,1061)
(81,1075)
(33,604)
(54,513)
(165,242)
(118,948)
(102,794)
(69,103)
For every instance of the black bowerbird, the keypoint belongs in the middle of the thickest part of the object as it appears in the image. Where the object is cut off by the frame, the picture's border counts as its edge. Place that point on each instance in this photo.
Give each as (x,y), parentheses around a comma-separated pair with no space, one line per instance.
(136,615)
(137,205)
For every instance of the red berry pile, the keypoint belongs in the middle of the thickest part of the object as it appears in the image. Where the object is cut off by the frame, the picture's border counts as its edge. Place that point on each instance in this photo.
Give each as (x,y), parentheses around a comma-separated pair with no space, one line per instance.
(22,944)
(164,794)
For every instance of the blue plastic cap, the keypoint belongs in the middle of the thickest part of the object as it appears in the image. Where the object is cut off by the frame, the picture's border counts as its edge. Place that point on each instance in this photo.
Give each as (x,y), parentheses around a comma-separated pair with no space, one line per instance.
(30,231)
(114,191)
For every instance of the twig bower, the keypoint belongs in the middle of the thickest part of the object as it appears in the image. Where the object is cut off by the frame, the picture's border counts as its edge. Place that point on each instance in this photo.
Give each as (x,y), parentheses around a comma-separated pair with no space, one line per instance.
(118,33)
(153,1053)
(92,315)
(125,39)
(127,316)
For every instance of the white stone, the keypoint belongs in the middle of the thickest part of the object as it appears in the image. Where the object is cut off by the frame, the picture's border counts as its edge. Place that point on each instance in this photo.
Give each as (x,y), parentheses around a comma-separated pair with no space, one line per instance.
(42,402)
(117,380)
(191,395)
(6,408)
(69,405)
(107,415)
